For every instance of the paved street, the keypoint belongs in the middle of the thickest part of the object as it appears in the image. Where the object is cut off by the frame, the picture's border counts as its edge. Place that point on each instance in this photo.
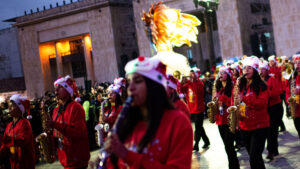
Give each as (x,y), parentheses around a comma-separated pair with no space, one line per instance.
(215,157)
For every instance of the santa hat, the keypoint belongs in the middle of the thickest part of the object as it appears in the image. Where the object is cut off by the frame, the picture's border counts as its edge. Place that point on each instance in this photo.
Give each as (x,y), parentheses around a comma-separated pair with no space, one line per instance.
(236,66)
(23,103)
(224,69)
(296,57)
(283,57)
(151,68)
(196,71)
(120,81)
(273,58)
(114,88)
(69,84)
(252,61)
(264,65)
(172,82)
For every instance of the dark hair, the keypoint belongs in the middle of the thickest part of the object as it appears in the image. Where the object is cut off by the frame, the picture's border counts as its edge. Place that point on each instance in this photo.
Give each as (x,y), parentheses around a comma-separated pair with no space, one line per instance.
(228,87)
(118,103)
(174,96)
(257,84)
(157,101)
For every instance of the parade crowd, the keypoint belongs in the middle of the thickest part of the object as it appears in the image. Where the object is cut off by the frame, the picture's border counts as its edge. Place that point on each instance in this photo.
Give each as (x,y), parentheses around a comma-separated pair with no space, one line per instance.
(155,128)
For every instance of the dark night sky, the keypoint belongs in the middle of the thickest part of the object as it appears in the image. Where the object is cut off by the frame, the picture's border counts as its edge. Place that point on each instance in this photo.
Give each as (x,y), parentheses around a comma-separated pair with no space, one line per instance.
(13,8)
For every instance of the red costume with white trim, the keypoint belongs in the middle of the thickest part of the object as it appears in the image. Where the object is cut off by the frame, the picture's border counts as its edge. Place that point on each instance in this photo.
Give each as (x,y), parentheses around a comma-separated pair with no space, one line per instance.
(17,141)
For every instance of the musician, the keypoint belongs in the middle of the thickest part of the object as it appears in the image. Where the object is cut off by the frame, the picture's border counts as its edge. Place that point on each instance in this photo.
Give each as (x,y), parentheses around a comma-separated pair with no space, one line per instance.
(17,141)
(274,69)
(294,82)
(69,126)
(254,121)
(275,109)
(153,134)
(224,87)
(194,91)
(173,95)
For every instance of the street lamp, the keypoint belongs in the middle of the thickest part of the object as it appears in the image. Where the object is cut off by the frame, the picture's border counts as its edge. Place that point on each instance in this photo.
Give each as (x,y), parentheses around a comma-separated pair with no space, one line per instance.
(209,7)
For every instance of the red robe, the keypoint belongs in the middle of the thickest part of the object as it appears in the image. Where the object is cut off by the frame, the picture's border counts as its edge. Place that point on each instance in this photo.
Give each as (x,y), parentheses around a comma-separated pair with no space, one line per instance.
(288,93)
(112,117)
(20,137)
(194,92)
(171,147)
(226,101)
(256,110)
(276,71)
(180,105)
(274,91)
(70,126)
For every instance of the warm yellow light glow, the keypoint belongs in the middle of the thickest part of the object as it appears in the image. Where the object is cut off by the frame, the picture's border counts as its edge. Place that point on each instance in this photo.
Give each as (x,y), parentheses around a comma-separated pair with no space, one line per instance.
(88,43)
(47,50)
(63,47)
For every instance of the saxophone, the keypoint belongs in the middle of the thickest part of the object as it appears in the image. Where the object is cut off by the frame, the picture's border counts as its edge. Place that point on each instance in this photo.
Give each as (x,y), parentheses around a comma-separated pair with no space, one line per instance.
(213,105)
(45,139)
(234,110)
(101,128)
(294,99)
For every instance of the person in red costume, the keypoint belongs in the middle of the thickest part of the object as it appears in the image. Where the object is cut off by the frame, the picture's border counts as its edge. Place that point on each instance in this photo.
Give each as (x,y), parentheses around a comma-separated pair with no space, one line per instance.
(194,91)
(17,141)
(274,69)
(254,118)
(275,109)
(223,88)
(69,126)
(153,134)
(173,96)
(292,90)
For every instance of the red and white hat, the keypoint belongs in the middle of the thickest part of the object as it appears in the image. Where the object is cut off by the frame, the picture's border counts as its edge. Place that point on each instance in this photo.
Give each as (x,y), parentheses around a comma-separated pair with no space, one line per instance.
(120,81)
(296,57)
(264,65)
(224,69)
(236,66)
(69,84)
(273,58)
(114,88)
(23,103)
(196,71)
(252,61)
(172,82)
(151,68)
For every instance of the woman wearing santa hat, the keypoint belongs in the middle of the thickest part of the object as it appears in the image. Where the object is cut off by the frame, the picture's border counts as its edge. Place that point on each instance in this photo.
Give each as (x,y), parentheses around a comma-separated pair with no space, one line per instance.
(292,91)
(17,141)
(223,87)
(275,109)
(153,134)
(173,95)
(254,117)
(69,126)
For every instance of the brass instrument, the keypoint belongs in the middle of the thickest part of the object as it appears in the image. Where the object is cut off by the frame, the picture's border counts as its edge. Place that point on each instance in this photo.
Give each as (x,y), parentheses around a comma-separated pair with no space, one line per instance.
(213,105)
(45,139)
(294,99)
(101,128)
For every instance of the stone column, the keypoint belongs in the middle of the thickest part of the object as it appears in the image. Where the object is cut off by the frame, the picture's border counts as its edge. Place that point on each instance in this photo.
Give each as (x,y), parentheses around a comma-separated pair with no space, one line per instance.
(88,61)
(59,63)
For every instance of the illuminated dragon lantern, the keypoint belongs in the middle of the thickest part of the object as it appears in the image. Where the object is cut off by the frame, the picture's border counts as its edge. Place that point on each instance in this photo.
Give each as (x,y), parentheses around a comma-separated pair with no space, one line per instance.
(168,28)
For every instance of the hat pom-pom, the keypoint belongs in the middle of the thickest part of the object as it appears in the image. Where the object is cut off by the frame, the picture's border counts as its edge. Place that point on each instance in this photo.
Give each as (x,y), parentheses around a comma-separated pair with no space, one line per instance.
(181,95)
(29,117)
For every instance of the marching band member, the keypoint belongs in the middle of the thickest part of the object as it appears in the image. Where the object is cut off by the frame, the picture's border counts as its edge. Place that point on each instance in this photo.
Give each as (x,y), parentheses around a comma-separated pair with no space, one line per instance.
(194,91)
(17,141)
(275,109)
(224,87)
(173,96)
(293,91)
(254,120)
(153,134)
(69,126)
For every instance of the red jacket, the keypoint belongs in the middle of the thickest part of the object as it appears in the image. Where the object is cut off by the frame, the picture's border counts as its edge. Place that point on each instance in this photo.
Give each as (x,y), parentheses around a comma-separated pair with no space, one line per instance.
(70,126)
(274,91)
(226,101)
(113,115)
(180,105)
(20,137)
(256,110)
(276,71)
(194,92)
(171,147)
(288,93)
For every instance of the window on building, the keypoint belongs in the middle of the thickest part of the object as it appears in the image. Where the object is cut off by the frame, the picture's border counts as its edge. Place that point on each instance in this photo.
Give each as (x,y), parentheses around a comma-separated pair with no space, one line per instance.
(189,54)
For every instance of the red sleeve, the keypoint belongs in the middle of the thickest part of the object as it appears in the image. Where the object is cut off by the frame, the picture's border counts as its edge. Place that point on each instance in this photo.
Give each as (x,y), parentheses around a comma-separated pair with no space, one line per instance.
(76,128)
(113,117)
(180,151)
(259,101)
